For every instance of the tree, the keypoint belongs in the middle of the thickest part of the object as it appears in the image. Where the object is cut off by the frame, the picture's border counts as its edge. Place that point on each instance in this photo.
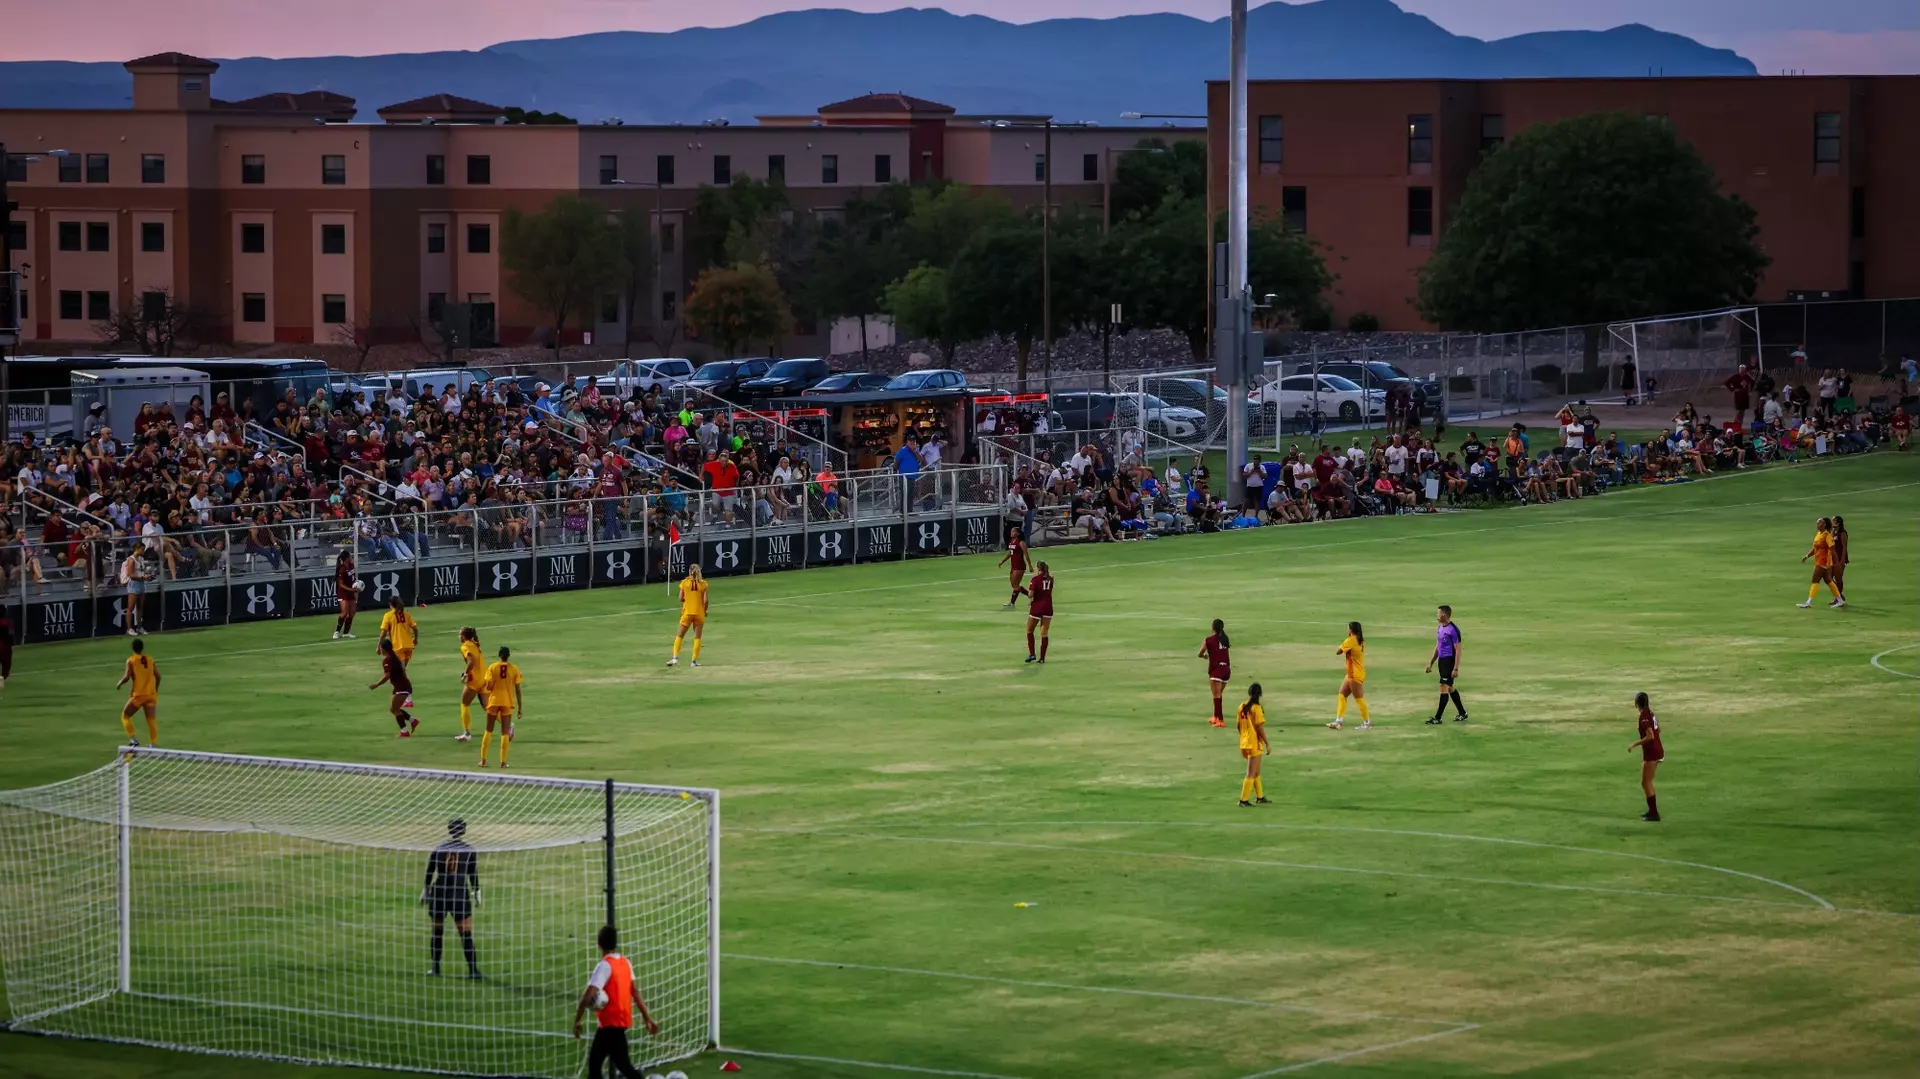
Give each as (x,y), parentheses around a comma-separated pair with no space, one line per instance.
(518,115)
(1586,221)
(1286,265)
(1152,172)
(157,324)
(639,262)
(733,305)
(560,257)
(943,216)
(854,258)
(919,305)
(994,287)
(737,223)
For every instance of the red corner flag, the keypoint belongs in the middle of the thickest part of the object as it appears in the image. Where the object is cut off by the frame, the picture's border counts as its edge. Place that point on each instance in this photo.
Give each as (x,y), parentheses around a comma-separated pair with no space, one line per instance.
(673,532)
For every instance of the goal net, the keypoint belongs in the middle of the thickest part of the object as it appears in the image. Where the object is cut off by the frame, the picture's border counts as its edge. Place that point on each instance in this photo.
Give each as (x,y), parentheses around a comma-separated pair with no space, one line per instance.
(1671,359)
(280,909)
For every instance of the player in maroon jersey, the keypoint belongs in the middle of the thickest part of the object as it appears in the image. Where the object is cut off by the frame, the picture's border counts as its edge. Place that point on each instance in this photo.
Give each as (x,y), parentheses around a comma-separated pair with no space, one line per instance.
(394,673)
(1017,555)
(1651,753)
(1040,611)
(1214,649)
(346,588)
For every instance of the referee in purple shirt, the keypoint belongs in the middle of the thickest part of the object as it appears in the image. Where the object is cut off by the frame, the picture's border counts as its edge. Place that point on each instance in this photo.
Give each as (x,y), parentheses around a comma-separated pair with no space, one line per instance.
(1446,652)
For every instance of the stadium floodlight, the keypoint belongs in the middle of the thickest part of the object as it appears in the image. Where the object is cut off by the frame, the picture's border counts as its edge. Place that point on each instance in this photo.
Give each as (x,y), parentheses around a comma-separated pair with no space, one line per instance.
(271,908)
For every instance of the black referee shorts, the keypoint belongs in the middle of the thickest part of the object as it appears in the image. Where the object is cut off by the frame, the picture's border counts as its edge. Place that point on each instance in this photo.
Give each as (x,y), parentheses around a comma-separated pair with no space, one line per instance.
(1446,670)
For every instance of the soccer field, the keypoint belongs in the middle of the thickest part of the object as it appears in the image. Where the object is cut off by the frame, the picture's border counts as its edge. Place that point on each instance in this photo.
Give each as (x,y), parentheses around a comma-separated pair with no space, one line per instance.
(1477,898)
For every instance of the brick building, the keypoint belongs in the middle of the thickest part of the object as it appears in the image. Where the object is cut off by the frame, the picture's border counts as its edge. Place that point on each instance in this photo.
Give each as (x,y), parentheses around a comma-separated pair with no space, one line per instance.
(1372,168)
(293,224)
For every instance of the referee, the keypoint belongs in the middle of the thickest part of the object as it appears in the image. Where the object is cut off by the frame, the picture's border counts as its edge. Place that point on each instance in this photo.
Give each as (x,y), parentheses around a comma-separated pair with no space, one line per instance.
(1446,652)
(613,979)
(452,891)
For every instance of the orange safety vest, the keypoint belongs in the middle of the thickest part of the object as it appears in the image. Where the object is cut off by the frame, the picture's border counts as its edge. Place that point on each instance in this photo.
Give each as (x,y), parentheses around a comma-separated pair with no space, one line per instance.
(619,989)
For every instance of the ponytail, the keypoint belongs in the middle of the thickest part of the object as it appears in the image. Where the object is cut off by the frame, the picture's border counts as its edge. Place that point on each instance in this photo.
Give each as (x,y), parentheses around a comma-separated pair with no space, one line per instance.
(1252,701)
(1354,628)
(1220,631)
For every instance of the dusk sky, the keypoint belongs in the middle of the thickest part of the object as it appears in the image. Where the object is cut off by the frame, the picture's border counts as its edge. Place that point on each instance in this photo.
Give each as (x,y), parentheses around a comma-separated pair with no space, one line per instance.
(1851,36)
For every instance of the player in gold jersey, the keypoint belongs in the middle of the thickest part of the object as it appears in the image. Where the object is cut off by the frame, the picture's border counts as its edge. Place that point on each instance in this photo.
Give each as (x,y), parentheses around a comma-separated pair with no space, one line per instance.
(505,704)
(693,614)
(1354,650)
(473,677)
(144,673)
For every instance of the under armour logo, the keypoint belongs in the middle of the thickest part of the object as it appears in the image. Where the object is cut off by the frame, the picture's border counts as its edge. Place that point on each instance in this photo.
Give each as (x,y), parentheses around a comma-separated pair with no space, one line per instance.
(259,599)
(829,544)
(119,613)
(726,555)
(929,535)
(619,565)
(505,575)
(385,586)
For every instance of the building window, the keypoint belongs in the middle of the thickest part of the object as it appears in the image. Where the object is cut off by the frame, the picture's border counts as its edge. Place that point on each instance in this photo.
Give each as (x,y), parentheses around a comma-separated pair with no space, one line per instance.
(926,165)
(1857,214)
(1826,138)
(1420,212)
(16,168)
(153,168)
(333,169)
(479,239)
(609,309)
(669,237)
(70,169)
(436,169)
(153,305)
(97,236)
(722,170)
(479,169)
(153,236)
(609,168)
(669,306)
(1273,141)
(1420,140)
(333,239)
(253,307)
(1039,168)
(1493,132)
(1090,168)
(99,306)
(663,170)
(829,168)
(253,168)
(253,239)
(436,307)
(777,167)
(436,238)
(70,309)
(69,235)
(883,168)
(1293,208)
(17,237)
(96,168)
(333,308)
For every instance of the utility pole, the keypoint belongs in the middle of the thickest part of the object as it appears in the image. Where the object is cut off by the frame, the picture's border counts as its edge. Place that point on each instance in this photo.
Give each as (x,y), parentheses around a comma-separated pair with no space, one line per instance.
(1046,254)
(1234,318)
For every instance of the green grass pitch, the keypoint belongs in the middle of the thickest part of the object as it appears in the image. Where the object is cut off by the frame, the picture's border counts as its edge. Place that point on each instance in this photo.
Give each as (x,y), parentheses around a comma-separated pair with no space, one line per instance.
(1474,899)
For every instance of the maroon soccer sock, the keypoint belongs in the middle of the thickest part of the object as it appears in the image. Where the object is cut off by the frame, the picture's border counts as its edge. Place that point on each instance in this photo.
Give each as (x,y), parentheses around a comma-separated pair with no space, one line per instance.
(1652,806)
(1216,708)
(1029,642)
(1043,648)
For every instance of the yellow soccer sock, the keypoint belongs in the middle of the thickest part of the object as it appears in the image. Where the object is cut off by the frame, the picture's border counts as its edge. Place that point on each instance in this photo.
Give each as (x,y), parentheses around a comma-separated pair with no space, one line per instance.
(1259,788)
(696,648)
(1365,715)
(1246,789)
(676,647)
(505,744)
(153,732)
(1340,709)
(1813,589)
(127,722)
(486,739)
(1831,587)
(466,717)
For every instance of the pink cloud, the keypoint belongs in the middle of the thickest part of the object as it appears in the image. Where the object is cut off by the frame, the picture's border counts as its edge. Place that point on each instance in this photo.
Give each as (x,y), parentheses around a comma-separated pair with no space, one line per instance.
(1824,52)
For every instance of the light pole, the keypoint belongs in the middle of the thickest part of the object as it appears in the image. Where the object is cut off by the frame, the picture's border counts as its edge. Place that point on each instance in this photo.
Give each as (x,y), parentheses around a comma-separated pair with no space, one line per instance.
(659,269)
(1046,124)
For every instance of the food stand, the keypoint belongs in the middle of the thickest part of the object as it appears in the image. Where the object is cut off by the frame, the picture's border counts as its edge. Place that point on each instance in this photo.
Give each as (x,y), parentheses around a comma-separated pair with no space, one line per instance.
(871,426)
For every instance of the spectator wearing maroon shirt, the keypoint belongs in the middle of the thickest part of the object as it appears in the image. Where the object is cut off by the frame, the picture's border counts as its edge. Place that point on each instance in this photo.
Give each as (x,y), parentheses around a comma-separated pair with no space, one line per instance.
(1741,384)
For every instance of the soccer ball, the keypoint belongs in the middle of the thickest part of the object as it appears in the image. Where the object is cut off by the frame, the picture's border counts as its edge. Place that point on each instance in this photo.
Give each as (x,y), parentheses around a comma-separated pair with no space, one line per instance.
(599,999)
(359,586)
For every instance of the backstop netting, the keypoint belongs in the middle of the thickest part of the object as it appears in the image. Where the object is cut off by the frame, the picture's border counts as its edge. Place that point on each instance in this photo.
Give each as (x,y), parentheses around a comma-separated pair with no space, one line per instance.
(278,908)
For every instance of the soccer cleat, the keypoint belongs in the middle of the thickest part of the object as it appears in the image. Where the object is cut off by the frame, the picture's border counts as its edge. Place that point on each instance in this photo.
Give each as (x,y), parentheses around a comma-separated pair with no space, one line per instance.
(404,733)
(693,663)
(434,973)
(349,636)
(1654,817)
(483,762)
(462,736)
(1808,603)
(135,742)
(336,634)
(1335,725)
(1246,804)
(1838,603)
(1366,724)
(1261,801)
(674,662)
(413,724)
(1461,718)
(1032,658)
(1213,721)
(1043,659)
(1434,722)
(474,975)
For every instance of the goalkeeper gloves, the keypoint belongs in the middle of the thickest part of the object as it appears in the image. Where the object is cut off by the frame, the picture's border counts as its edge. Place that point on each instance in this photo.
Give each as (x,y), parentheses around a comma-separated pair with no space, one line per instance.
(476,895)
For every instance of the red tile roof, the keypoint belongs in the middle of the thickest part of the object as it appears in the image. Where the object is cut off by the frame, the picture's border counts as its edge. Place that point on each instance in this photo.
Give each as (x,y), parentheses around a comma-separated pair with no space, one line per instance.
(172,59)
(887,103)
(442,104)
(324,101)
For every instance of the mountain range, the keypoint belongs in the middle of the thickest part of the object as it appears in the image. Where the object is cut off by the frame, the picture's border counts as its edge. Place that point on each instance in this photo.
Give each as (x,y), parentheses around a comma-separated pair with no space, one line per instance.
(796,61)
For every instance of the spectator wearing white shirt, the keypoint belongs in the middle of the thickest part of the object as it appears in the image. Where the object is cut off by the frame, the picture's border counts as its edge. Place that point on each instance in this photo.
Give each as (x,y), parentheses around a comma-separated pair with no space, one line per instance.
(1397,458)
(1770,411)
(930,453)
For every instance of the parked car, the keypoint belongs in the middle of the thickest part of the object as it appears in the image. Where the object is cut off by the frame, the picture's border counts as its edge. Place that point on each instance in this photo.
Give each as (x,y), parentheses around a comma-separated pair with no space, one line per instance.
(1378,374)
(933,379)
(847,382)
(1194,393)
(788,378)
(1097,411)
(648,375)
(1330,395)
(722,378)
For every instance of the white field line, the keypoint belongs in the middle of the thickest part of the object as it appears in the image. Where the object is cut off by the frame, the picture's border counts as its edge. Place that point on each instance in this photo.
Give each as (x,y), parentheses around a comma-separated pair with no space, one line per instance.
(841,1063)
(1368,831)
(1900,674)
(1261,863)
(1156,994)
(1240,551)
(1351,1053)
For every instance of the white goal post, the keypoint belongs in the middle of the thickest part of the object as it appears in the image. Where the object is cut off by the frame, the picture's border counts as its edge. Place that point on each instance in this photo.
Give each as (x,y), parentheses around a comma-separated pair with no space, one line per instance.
(1685,353)
(296,910)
